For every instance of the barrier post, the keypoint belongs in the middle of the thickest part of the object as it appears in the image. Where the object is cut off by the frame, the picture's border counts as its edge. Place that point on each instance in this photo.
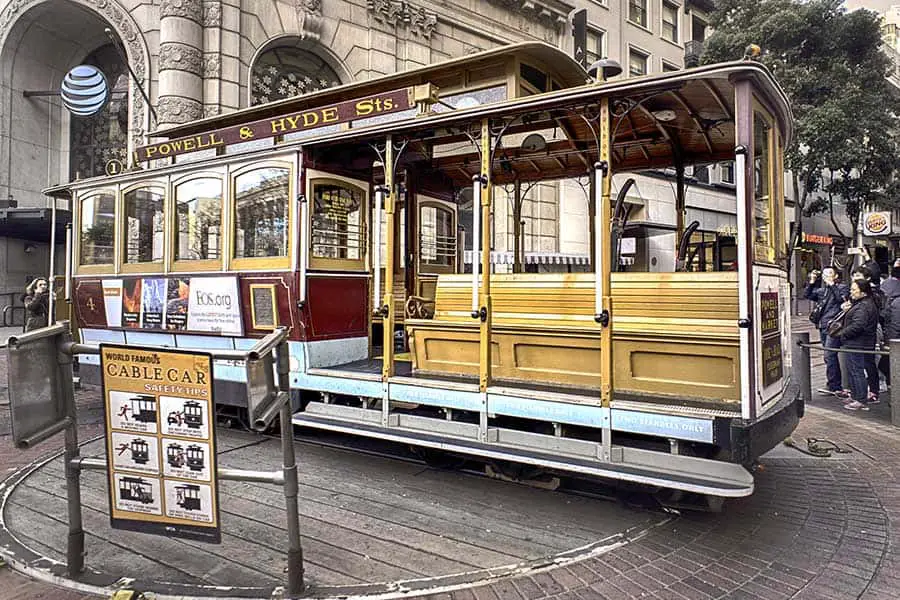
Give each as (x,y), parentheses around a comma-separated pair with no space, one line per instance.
(291,484)
(895,382)
(802,368)
(75,541)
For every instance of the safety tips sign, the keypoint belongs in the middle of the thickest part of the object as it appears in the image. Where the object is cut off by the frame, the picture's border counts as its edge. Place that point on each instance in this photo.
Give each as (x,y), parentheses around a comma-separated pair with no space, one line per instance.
(160,442)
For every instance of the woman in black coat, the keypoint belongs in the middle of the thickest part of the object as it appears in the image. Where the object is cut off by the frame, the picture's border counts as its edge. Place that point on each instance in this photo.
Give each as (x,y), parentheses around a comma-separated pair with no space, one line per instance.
(37,304)
(859,333)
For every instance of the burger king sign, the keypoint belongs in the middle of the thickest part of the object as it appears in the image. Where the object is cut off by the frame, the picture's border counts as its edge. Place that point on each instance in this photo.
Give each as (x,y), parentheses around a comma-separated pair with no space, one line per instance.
(877,223)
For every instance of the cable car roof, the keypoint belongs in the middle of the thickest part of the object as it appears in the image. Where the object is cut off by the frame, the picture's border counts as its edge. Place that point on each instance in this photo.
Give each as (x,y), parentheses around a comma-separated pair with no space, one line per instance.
(688,113)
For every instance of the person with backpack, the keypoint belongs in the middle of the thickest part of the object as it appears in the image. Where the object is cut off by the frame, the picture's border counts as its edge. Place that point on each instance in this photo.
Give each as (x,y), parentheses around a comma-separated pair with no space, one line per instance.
(825,290)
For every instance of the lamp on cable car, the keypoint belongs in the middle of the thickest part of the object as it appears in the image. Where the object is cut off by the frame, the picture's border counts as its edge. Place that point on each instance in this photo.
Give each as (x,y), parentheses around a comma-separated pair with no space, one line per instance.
(604,68)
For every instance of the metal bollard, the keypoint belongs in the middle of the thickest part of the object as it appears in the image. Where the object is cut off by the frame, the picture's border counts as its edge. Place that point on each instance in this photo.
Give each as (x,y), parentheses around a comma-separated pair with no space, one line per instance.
(895,382)
(802,365)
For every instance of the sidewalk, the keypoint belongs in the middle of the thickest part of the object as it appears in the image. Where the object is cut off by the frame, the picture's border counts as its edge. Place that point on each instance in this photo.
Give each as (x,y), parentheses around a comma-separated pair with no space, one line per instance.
(815,529)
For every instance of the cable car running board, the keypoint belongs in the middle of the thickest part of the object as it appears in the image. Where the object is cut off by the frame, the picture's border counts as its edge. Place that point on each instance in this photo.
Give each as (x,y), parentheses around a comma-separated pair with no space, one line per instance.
(645,467)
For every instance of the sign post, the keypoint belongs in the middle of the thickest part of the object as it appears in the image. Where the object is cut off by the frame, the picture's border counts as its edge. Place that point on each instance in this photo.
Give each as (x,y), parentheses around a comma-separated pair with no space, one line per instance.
(160,442)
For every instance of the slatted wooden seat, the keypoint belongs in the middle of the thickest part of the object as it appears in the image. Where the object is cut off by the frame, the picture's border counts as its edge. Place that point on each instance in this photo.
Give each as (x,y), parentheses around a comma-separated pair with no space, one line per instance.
(673,333)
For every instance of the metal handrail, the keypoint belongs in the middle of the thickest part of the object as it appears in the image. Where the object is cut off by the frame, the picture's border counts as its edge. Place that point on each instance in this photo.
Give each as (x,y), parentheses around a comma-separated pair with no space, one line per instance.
(845,350)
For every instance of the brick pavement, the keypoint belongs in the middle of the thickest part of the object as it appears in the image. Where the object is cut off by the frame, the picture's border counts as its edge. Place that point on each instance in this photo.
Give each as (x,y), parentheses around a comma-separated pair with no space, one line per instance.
(815,529)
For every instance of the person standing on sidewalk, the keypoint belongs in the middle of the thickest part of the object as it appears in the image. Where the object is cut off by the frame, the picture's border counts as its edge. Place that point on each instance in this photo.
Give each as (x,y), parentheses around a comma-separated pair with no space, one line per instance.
(858,333)
(37,304)
(825,290)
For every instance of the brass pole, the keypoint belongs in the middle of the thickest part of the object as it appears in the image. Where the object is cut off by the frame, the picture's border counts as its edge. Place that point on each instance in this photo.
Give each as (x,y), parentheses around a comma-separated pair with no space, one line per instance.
(517,227)
(485,337)
(603,269)
(387,319)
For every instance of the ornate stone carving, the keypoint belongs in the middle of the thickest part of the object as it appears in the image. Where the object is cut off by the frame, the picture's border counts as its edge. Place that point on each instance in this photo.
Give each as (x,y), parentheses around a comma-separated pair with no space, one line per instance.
(182,57)
(400,13)
(212,14)
(471,49)
(309,16)
(549,13)
(174,109)
(188,9)
(211,110)
(212,66)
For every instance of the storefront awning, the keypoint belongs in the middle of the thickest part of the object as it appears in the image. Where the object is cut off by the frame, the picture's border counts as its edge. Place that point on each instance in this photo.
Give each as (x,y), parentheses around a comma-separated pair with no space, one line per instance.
(33,224)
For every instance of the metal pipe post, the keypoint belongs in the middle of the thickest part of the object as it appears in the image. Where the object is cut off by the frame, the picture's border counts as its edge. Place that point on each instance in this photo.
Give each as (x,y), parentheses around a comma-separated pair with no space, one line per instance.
(802,368)
(895,382)
(75,542)
(295,550)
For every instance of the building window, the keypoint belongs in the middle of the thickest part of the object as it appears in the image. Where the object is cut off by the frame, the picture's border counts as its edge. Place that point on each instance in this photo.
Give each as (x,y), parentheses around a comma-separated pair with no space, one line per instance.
(727,172)
(637,12)
(595,39)
(669,67)
(338,221)
(698,29)
(261,213)
(198,208)
(286,71)
(637,63)
(144,225)
(102,137)
(670,21)
(98,221)
(764,243)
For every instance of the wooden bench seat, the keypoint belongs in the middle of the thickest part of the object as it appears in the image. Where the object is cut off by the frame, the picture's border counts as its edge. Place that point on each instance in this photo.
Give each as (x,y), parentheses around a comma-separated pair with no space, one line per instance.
(673,333)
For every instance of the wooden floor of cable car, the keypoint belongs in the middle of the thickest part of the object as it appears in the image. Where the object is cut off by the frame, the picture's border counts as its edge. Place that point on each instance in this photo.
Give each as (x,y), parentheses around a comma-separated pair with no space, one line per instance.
(544,391)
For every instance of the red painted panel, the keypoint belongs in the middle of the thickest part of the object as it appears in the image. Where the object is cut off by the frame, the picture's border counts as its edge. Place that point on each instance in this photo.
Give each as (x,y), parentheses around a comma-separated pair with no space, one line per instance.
(89,308)
(336,307)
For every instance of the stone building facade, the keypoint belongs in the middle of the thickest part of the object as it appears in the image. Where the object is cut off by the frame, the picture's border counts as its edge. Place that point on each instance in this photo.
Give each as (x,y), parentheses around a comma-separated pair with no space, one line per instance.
(196,58)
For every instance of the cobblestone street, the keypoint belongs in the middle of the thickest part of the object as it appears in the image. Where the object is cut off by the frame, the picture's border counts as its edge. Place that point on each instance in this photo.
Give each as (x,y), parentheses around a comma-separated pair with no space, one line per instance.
(816,528)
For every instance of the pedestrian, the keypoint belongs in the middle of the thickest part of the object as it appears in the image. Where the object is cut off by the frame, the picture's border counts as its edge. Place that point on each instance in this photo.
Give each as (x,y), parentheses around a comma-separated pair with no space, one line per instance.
(858,333)
(37,304)
(890,317)
(891,286)
(867,273)
(828,293)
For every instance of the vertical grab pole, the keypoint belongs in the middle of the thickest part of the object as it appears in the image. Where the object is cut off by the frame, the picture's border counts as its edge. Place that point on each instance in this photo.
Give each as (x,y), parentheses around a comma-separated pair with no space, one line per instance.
(484,311)
(387,310)
(68,296)
(51,317)
(476,240)
(289,468)
(744,273)
(376,252)
(602,280)
(304,245)
(75,540)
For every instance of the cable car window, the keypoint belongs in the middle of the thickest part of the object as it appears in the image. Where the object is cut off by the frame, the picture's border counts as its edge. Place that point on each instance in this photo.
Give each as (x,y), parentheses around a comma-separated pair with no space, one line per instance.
(437,237)
(261,213)
(144,225)
(198,208)
(534,77)
(763,244)
(98,221)
(338,219)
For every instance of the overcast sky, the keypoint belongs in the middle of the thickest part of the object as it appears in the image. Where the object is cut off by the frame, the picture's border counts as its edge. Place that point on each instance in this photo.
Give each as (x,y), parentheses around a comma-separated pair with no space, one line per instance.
(880,6)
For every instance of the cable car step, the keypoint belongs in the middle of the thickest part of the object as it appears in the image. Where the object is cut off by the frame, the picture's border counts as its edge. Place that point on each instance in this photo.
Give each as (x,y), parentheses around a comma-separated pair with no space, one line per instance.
(635,465)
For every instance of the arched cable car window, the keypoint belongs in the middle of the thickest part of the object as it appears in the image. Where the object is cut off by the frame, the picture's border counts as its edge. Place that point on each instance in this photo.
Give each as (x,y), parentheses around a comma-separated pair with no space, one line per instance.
(97,139)
(338,221)
(764,243)
(198,208)
(437,238)
(286,71)
(261,213)
(98,220)
(144,225)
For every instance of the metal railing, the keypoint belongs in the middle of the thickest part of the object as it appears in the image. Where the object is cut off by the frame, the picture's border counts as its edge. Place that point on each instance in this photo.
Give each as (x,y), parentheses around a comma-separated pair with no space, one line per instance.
(50,350)
(802,367)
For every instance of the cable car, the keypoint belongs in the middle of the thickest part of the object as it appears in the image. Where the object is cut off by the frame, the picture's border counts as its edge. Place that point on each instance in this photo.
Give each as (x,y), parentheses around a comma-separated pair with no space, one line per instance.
(135,489)
(193,414)
(175,456)
(495,256)
(143,408)
(194,456)
(139,451)
(187,496)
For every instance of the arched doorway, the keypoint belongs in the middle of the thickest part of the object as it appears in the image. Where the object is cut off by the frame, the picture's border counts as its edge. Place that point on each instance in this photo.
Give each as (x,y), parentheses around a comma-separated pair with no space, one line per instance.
(286,70)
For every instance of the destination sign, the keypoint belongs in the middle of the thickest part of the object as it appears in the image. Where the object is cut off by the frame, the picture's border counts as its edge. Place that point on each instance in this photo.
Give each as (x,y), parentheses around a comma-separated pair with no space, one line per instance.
(312,118)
